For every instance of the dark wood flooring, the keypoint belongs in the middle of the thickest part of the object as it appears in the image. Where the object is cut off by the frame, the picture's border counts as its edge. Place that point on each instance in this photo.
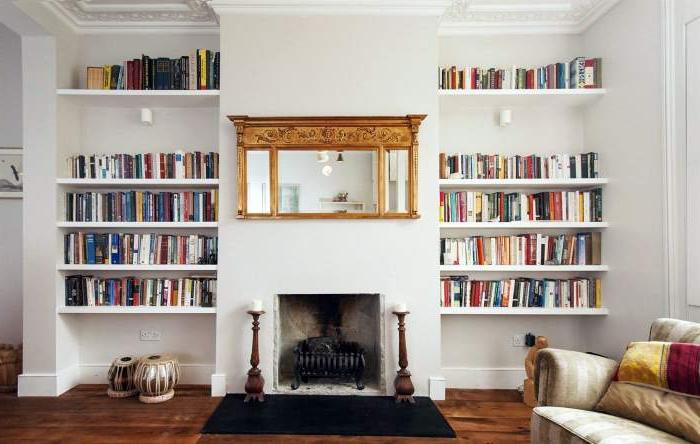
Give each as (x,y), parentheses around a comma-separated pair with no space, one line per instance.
(86,415)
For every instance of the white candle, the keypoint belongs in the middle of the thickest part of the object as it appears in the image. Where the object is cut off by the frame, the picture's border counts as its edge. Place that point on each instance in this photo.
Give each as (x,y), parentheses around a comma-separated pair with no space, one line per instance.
(256,305)
(400,307)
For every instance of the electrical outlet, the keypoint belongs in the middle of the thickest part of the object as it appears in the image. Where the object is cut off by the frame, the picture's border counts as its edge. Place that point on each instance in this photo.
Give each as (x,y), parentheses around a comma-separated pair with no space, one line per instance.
(150,335)
(518,340)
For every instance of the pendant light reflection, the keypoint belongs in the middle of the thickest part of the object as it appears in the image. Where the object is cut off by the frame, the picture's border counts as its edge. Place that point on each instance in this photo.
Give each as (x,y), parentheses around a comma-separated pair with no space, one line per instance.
(322,156)
(326,170)
(340,157)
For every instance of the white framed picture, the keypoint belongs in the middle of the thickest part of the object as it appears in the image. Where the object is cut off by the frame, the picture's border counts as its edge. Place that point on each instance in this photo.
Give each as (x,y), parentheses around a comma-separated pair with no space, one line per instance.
(10,173)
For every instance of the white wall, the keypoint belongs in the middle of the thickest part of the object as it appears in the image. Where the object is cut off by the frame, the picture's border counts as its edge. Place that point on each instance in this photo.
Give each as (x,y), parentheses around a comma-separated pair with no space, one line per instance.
(10,209)
(626,125)
(275,65)
(477,351)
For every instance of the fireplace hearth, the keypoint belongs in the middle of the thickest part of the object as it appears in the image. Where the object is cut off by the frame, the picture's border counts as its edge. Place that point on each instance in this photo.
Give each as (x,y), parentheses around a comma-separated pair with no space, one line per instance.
(328,357)
(329,344)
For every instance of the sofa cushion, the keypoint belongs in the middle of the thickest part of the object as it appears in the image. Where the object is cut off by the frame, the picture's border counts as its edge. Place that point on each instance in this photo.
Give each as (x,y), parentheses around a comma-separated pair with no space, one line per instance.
(670,366)
(674,330)
(670,412)
(561,425)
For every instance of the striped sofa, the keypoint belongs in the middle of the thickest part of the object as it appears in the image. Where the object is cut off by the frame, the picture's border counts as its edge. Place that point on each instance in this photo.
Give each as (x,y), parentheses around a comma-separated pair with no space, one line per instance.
(569,384)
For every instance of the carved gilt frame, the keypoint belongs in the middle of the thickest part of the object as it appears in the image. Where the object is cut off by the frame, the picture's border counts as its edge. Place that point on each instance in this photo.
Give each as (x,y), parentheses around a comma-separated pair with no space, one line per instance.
(332,134)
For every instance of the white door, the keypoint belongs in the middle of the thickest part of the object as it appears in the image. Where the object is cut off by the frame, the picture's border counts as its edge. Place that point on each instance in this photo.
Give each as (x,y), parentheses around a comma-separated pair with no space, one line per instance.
(686,67)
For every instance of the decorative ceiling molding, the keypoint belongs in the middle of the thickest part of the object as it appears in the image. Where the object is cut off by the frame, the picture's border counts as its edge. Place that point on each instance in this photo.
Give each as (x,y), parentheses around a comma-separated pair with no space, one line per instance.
(458,17)
(522,16)
(332,7)
(98,16)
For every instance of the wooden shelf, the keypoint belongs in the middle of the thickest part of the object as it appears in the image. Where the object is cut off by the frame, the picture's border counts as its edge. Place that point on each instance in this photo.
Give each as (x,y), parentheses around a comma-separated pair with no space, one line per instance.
(136,310)
(523,311)
(524,268)
(132,267)
(521,97)
(126,225)
(520,183)
(521,224)
(140,183)
(206,98)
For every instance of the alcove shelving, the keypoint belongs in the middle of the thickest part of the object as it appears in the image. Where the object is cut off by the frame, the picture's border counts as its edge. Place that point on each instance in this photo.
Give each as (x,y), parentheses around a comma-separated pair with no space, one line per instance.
(524,97)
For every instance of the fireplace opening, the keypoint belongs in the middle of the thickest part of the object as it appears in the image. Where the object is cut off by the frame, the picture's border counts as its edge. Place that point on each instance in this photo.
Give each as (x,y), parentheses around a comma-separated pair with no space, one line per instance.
(329,343)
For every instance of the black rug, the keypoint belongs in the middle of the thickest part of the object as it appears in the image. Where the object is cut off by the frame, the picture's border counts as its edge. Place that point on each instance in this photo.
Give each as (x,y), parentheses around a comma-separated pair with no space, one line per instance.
(328,415)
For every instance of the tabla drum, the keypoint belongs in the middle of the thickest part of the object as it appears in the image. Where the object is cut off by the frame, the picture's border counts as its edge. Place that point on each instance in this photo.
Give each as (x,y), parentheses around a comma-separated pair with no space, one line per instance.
(156,377)
(121,377)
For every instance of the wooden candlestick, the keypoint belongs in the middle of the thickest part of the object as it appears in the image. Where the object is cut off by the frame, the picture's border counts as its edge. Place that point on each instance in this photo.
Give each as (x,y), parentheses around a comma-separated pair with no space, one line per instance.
(402,383)
(255,383)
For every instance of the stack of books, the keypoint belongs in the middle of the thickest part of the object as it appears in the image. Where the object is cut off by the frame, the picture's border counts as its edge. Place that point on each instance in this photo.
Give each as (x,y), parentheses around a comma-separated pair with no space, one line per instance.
(141,249)
(581,72)
(501,166)
(177,165)
(198,70)
(460,291)
(142,206)
(474,206)
(522,249)
(132,291)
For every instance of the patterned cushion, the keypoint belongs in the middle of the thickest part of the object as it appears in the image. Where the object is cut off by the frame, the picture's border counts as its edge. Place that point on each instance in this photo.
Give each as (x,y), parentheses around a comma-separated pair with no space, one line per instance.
(665,365)
(561,425)
(673,330)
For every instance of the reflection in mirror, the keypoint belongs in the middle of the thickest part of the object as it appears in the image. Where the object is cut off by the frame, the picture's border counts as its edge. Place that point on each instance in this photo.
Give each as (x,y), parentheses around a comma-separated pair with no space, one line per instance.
(396,180)
(327,181)
(258,164)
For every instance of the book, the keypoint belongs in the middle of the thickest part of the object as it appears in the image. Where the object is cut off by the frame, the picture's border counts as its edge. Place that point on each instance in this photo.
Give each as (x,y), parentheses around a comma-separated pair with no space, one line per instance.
(159,73)
(522,249)
(177,165)
(531,166)
(83,290)
(581,72)
(142,206)
(139,249)
(460,291)
(565,206)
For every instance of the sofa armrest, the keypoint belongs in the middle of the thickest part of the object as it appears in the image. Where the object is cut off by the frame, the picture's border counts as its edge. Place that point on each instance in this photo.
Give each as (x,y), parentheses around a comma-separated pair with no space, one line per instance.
(571,379)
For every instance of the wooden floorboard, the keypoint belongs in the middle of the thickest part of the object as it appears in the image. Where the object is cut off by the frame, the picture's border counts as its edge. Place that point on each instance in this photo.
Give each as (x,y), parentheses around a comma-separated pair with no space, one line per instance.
(86,415)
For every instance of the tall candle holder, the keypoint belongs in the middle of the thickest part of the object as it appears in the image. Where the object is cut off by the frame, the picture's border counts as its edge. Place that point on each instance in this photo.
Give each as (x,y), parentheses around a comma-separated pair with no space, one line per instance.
(255,382)
(402,383)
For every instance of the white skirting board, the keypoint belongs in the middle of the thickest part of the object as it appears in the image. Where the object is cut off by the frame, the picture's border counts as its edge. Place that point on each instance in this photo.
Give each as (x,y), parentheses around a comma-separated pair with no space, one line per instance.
(484,378)
(437,388)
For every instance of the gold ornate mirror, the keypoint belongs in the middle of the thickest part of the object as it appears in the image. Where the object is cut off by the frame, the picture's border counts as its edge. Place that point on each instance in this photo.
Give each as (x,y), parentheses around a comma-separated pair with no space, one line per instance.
(327,167)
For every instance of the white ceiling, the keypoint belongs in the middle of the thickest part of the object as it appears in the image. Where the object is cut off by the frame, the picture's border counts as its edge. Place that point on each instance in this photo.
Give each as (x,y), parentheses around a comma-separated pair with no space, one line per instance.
(462,17)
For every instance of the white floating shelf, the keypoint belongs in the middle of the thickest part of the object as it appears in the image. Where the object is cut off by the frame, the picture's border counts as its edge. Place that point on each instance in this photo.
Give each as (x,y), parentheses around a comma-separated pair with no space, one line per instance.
(11,195)
(520,183)
(137,310)
(130,267)
(522,224)
(133,183)
(524,311)
(524,268)
(137,224)
(522,97)
(205,98)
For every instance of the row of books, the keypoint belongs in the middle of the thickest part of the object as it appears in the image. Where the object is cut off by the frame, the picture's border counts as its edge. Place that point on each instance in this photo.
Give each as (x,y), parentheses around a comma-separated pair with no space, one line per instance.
(198,70)
(143,249)
(460,291)
(475,206)
(177,165)
(581,72)
(502,166)
(84,290)
(142,206)
(522,249)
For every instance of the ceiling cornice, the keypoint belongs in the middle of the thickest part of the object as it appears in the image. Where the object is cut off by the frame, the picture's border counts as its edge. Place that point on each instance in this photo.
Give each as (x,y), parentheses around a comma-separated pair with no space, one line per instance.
(332,7)
(466,17)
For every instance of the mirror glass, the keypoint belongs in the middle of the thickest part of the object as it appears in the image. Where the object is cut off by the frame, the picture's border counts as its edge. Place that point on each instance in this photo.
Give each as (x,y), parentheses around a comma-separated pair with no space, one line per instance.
(327,181)
(396,180)
(258,181)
